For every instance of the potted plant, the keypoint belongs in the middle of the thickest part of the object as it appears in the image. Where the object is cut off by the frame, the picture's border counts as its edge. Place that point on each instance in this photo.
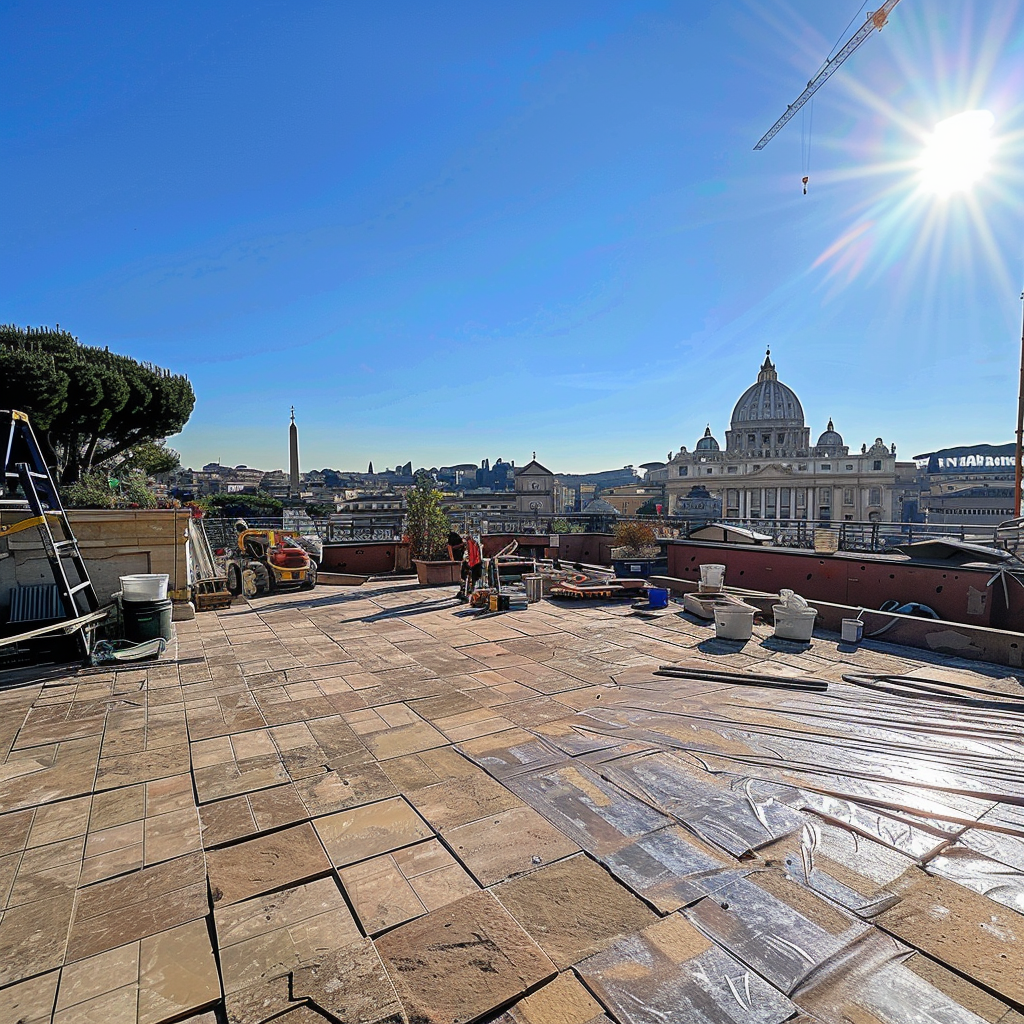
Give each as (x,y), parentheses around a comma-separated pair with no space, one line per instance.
(636,551)
(427,526)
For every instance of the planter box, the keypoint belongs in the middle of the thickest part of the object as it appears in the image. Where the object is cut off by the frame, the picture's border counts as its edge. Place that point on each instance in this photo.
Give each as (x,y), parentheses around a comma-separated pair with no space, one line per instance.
(639,568)
(437,574)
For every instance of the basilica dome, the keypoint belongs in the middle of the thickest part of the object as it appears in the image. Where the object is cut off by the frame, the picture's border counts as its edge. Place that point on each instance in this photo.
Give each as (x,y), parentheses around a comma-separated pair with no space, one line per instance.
(707,443)
(831,438)
(769,402)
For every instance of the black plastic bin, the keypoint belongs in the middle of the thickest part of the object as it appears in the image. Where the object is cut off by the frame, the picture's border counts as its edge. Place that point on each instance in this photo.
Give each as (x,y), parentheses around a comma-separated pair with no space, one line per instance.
(146,620)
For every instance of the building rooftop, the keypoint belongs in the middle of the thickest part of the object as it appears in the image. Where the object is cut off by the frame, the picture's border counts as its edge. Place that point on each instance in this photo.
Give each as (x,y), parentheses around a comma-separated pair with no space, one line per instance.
(372,805)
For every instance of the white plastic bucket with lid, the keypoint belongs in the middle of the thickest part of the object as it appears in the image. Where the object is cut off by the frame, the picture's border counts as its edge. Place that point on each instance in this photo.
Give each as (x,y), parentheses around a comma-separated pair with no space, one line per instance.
(144,587)
(734,621)
(794,623)
(853,631)
(712,576)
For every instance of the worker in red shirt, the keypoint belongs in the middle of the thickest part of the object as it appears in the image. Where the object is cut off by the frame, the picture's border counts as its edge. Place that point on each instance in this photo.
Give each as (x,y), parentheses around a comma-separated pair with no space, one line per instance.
(473,567)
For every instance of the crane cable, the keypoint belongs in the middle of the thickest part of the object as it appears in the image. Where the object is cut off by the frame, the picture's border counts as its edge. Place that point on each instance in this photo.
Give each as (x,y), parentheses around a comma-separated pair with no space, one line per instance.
(807,122)
(806,129)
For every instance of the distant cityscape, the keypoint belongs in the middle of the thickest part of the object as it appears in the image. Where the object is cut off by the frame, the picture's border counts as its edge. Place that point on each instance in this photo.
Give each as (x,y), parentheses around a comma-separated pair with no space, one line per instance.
(768,472)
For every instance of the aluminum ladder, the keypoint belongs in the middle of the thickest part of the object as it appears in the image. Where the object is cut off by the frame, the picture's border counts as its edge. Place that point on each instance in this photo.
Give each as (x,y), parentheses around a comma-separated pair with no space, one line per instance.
(26,470)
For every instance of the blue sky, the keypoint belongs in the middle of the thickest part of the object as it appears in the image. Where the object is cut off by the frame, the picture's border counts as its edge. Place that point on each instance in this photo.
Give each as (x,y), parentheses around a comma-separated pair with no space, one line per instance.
(451,231)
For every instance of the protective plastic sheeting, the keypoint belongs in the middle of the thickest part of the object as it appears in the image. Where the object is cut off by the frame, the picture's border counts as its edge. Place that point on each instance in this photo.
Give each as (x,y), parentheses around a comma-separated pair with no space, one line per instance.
(670,973)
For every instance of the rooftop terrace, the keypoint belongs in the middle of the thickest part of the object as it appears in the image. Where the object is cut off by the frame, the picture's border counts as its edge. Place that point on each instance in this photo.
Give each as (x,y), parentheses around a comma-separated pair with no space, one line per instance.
(375,806)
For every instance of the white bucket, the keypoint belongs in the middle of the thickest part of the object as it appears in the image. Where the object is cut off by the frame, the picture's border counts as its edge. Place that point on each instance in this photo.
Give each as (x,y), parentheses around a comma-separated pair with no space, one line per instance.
(712,577)
(144,587)
(734,621)
(792,624)
(534,587)
(853,631)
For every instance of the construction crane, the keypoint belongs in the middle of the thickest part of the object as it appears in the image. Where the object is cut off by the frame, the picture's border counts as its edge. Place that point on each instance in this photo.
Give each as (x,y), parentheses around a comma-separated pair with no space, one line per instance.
(875,20)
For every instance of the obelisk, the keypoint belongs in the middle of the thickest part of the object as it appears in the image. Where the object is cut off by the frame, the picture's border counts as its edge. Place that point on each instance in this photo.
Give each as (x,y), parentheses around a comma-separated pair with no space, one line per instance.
(293,458)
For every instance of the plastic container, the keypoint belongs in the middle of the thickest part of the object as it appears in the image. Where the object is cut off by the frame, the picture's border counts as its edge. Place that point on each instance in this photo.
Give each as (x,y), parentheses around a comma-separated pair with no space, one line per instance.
(144,587)
(794,623)
(534,587)
(853,631)
(712,577)
(147,620)
(657,597)
(734,621)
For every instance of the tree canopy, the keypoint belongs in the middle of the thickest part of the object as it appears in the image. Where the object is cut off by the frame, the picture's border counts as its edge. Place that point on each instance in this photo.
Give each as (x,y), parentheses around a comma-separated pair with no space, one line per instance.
(426,522)
(88,405)
(253,506)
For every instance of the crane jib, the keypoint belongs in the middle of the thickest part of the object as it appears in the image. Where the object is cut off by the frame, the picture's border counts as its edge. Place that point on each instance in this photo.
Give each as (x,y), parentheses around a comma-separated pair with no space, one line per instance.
(875,20)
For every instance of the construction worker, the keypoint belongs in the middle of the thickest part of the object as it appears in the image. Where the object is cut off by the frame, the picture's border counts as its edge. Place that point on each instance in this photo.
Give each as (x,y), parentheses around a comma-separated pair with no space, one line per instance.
(474,565)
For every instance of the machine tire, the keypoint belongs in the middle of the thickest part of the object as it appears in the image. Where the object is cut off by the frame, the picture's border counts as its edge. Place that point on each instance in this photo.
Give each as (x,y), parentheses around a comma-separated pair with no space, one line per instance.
(310,581)
(234,580)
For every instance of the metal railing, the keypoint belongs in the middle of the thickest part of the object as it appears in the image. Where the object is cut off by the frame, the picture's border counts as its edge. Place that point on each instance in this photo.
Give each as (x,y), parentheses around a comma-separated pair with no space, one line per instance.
(863,536)
(797,533)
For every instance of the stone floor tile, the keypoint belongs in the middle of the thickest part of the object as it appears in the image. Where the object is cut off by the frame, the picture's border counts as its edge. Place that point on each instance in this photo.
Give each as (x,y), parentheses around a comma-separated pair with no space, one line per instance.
(563,1000)
(96,975)
(29,1002)
(57,822)
(117,837)
(224,821)
(268,998)
(252,744)
(33,938)
(462,961)
(273,808)
(446,805)
(8,869)
(107,865)
(172,835)
(47,872)
(380,894)
(177,973)
(268,862)
(373,829)
(117,1007)
(288,908)
(345,787)
(173,793)
(223,780)
(212,751)
(143,766)
(351,984)
(152,900)
(423,857)
(14,830)
(573,908)
(117,807)
(272,953)
(443,885)
(509,843)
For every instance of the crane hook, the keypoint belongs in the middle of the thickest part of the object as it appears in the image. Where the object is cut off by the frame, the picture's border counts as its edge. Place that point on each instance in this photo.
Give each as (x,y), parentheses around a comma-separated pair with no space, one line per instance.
(805,179)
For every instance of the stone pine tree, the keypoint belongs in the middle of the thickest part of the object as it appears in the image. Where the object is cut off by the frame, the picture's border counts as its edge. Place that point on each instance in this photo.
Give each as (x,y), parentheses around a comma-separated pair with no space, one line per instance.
(89,406)
(426,522)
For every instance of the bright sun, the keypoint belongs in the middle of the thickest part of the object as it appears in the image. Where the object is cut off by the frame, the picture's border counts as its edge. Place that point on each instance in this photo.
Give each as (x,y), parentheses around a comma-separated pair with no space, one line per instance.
(957,153)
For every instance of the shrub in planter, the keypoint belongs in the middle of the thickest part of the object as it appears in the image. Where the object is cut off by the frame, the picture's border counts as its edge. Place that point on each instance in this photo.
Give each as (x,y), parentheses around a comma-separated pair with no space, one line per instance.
(635,540)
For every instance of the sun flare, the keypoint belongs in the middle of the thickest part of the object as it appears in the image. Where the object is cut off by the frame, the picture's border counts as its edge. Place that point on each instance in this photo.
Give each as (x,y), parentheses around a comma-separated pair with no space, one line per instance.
(957,153)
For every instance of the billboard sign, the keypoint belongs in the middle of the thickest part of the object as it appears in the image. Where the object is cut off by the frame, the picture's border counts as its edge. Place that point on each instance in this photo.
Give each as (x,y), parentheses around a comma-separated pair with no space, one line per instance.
(978,458)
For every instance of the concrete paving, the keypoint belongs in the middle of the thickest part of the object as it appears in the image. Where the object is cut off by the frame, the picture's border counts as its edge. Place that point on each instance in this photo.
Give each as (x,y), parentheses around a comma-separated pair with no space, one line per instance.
(373,805)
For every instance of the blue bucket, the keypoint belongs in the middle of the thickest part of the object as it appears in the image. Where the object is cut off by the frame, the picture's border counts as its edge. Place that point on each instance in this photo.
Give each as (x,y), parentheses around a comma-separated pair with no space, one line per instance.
(658,597)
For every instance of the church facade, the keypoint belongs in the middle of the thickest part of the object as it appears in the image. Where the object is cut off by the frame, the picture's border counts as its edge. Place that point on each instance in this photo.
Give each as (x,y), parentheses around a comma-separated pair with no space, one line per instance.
(770,470)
